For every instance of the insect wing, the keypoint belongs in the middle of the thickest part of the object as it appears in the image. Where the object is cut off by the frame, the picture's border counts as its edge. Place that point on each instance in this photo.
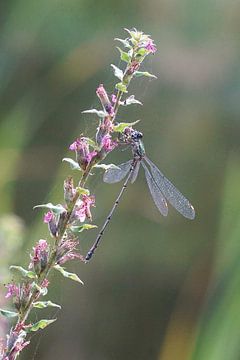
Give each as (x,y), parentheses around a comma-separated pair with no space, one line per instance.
(157,196)
(135,172)
(173,195)
(115,175)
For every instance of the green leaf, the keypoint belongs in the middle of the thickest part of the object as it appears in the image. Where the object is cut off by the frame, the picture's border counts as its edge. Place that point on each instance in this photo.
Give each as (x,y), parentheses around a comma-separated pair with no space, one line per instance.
(40,325)
(125,42)
(73,164)
(45,304)
(24,272)
(43,290)
(8,314)
(57,209)
(67,274)
(106,166)
(124,55)
(80,228)
(142,52)
(117,72)
(144,73)
(121,87)
(132,33)
(121,126)
(91,142)
(131,100)
(99,113)
(82,191)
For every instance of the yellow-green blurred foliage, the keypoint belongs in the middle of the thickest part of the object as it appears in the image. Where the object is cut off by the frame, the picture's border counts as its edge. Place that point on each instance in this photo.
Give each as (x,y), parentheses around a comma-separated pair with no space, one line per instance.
(157,289)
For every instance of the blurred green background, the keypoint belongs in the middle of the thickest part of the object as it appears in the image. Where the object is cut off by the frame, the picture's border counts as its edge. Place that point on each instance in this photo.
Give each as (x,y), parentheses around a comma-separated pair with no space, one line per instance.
(157,289)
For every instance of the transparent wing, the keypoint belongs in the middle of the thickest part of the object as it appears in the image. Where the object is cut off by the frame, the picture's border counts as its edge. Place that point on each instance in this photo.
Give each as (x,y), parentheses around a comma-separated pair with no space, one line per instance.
(175,198)
(112,176)
(157,196)
(135,172)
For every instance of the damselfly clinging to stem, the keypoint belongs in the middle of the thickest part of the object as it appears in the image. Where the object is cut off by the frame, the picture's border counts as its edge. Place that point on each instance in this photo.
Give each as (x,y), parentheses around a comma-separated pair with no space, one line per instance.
(160,187)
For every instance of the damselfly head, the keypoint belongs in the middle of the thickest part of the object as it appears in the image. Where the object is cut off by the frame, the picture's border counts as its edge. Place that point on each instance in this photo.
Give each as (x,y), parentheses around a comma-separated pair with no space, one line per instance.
(132,134)
(136,135)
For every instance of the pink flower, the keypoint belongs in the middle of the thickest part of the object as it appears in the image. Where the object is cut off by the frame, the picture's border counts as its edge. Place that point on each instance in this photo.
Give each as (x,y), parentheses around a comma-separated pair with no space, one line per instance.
(48,217)
(80,144)
(83,155)
(91,155)
(102,94)
(39,258)
(45,283)
(69,190)
(150,46)
(103,97)
(13,290)
(67,251)
(108,144)
(83,211)
(114,98)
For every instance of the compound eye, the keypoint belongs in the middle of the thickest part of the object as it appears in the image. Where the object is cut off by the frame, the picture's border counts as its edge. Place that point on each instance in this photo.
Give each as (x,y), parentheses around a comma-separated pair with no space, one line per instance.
(140,135)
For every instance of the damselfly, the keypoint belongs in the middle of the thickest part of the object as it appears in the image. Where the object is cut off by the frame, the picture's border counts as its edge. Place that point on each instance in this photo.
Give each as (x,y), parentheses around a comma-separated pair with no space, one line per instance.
(160,187)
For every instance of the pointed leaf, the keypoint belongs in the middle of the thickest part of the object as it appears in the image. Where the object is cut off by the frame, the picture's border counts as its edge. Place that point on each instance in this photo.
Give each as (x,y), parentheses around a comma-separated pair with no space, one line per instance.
(142,52)
(131,100)
(99,113)
(82,191)
(67,274)
(57,209)
(44,304)
(8,314)
(106,166)
(124,42)
(24,272)
(121,126)
(124,55)
(43,290)
(117,72)
(91,142)
(41,325)
(80,228)
(144,73)
(73,164)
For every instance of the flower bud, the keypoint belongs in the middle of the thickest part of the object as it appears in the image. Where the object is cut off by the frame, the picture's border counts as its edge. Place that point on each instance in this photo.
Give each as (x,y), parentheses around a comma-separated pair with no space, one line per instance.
(69,190)
(39,259)
(50,219)
(103,97)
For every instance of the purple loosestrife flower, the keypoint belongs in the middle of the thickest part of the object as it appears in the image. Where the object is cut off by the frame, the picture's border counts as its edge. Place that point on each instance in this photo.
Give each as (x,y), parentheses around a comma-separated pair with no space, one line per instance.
(108,144)
(16,342)
(103,97)
(105,127)
(20,294)
(114,98)
(67,251)
(39,259)
(83,155)
(91,156)
(69,190)
(50,219)
(83,208)
(150,46)
(45,283)
(135,65)
(12,290)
